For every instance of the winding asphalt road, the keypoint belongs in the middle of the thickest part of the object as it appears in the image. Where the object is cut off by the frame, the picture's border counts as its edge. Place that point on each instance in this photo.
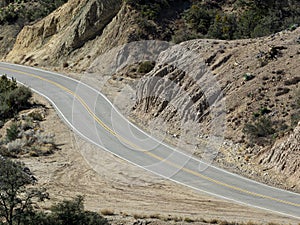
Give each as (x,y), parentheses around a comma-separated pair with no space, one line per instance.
(92,116)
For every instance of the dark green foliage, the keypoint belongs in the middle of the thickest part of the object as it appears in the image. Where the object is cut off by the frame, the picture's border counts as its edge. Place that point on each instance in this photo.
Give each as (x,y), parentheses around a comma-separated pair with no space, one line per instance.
(68,212)
(182,35)
(199,18)
(149,9)
(264,111)
(12,97)
(36,116)
(263,127)
(26,10)
(297,98)
(248,76)
(12,132)
(146,67)
(295,117)
(253,19)
(224,26)
(7,85)
(73,213)
(16,201)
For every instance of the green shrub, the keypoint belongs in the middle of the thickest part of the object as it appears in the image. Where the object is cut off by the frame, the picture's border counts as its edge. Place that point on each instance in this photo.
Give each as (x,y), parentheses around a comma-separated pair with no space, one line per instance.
(263,127)
(199,18)
(146,67)
(72,212)
(295,117)
(184,35)
(149,9)
(248,76)
(15,147)
(5,153)
(36,116)
(13,98)
(223,27)
(297,98)
(12,132)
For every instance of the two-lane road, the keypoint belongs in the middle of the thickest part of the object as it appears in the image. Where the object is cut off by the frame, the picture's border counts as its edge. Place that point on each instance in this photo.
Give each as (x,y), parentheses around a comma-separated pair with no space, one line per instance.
(91,115)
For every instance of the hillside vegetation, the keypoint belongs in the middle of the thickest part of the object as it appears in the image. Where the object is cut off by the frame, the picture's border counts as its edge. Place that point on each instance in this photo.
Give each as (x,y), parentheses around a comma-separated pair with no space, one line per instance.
(186,20)
(25,11)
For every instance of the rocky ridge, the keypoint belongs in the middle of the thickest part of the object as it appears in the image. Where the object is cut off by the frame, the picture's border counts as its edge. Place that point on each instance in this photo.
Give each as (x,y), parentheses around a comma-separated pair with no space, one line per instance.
(67,29)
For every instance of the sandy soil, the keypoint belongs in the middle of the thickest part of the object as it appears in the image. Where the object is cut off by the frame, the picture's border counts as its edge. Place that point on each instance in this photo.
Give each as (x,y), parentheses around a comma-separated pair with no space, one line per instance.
(111,184)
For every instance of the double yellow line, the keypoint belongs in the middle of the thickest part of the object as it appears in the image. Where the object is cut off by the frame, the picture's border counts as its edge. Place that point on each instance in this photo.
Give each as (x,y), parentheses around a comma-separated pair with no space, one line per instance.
(101,123)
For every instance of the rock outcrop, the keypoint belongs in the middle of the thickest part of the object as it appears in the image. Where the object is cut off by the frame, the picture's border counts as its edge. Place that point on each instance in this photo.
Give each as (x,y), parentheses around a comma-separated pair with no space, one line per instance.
(162,95)
(62,32)
(181,91)
(192,78)
(284,157)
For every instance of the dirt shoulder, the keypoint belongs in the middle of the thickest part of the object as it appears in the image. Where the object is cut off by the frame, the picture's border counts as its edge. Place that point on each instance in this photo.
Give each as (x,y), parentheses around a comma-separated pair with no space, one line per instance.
(111,184)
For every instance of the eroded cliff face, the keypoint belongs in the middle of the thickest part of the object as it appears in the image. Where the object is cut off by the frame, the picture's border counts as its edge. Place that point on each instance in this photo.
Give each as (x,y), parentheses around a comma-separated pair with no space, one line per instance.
(180,89)
(52,40)
(283,157)
(191,79)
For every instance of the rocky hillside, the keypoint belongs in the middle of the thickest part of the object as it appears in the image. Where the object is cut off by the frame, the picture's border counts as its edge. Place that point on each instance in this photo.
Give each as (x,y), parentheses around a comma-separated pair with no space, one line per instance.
(79,31)
(14,15)
(60,34)
(257,78)
(259,82)
(284,157)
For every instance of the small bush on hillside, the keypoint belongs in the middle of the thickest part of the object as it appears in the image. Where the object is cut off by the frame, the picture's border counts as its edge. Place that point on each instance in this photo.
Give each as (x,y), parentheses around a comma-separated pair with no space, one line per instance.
(149,9)
(295,117)
(36,116)
(199,18)
(13,98)
(15,147)
(5,153)
(72,212)
(12,132)
(297,98)
(146,67)
(263,127)
(183,35)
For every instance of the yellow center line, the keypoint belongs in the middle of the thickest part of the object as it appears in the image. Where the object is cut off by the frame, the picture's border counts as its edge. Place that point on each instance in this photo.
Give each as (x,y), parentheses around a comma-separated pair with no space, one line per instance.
(101,123)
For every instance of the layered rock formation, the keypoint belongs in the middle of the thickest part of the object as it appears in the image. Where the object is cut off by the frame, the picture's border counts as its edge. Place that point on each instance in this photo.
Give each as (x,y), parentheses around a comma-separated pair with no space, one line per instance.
(180,89)
(64,31)
(284,157)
